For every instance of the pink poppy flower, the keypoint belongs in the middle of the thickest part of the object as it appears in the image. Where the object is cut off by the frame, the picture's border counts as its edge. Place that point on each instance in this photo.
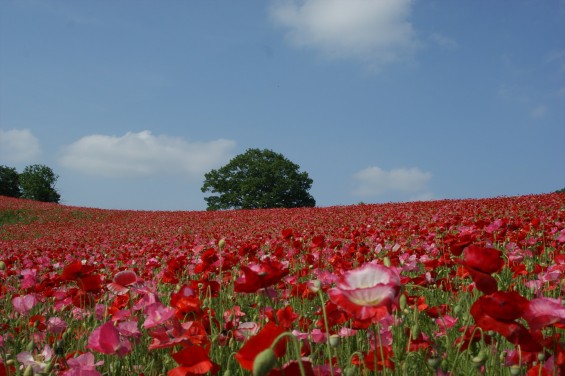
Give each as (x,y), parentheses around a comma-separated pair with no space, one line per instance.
(83,365)
(24,304)
(29,278)
(368,292)
(318,336)
(56,325)
(122,282)
(106,339)
(157,314)
(129,329)
(542,312)
(445,322)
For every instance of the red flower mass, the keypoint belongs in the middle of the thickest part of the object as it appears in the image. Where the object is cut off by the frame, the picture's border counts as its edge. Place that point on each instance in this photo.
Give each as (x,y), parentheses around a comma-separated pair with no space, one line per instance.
(71,279)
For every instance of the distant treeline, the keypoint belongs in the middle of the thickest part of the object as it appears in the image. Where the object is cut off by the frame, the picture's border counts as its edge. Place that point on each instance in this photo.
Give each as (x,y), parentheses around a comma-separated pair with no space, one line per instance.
(35,182)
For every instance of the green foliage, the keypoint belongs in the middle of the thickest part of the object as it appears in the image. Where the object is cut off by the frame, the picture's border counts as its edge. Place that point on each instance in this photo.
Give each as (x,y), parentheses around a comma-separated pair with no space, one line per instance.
(562,190)
(38,183)
(9,182)
(258,179)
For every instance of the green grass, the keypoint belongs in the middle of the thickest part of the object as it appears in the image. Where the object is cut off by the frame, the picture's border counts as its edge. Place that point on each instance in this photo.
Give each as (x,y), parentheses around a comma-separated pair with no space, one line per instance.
(11,217)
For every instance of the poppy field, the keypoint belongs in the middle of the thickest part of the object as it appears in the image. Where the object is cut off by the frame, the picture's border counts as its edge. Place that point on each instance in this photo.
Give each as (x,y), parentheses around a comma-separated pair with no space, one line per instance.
(447,287)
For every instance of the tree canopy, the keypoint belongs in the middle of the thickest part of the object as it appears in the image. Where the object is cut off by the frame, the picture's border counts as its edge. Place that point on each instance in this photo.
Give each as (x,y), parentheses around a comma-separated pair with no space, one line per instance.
(258,179)
(38,183)
(9,182)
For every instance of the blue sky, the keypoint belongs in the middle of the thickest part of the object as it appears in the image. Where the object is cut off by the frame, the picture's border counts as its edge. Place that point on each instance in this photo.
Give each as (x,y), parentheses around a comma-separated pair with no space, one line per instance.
(131,102)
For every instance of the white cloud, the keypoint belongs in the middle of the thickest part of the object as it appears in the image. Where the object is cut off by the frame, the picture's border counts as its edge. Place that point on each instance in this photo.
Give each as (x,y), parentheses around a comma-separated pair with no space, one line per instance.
(374,181)
(18,145)
(539,111)
(424,196)
(374,31)
(444,41)
(143,154)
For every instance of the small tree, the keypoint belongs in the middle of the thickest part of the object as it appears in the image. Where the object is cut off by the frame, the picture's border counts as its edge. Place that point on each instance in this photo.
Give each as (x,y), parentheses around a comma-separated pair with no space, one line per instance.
(38,183)
(9,182)
(258,179)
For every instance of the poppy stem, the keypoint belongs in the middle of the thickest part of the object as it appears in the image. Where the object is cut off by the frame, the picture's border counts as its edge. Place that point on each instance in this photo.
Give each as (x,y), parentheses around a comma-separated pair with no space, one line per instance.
(326,326)
(296,349)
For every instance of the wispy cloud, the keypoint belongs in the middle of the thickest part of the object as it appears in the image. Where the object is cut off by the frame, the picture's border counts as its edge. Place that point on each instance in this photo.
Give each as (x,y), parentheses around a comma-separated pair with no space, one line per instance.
(376,32)
(143,154)
(18,145)
(539,111)
(444,41)
(374,181)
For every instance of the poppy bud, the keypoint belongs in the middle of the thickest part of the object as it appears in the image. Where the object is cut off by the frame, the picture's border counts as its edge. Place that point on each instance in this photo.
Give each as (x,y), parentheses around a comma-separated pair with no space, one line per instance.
(30,346)
(434,362)
(415,332)
(264,362)
(515,370)
(314,285)
(334,340)
(49,367)
(28,371)
(480,359)
(443,365)
(2,265)
(402,302)
(222,243)
(59,348)
(386,262)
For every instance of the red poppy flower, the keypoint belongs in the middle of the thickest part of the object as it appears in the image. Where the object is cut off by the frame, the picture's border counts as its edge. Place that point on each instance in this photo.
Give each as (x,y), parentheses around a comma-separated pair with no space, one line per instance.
(193,360)
(481,262)
(76,270)
(260,342)
(83,275)
(90,283)
(486,260)
(286,316)
(368,292)
(470,336)
(292,368)
(262,275)
(376,359)
(498,311)
(457,244)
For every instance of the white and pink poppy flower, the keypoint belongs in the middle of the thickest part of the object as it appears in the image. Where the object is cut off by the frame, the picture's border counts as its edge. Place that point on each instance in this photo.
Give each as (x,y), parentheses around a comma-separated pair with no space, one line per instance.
(38,362)
(368,292)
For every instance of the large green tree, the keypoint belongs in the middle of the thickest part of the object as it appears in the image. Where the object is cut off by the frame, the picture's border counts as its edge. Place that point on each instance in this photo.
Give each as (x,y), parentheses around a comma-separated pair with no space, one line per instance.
(258,179)
(38,183)
(9,182)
